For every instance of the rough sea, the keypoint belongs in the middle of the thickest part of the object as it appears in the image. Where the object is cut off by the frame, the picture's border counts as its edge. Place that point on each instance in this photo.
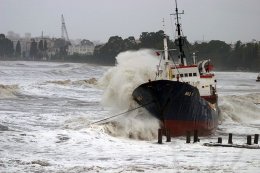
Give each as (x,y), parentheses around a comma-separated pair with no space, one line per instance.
(48,112)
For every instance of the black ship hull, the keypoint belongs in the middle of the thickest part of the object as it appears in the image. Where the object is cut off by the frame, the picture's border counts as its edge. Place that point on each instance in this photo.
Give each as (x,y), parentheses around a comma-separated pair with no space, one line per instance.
(179,106)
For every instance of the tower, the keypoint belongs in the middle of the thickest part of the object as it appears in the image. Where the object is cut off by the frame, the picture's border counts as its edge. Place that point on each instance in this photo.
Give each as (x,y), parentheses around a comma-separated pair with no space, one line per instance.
(64,33)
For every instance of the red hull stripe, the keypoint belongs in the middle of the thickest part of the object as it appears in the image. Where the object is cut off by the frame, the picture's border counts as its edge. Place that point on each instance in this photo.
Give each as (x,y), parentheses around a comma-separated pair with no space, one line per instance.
(187,66)
(180,128)
(207,76)
(209,97)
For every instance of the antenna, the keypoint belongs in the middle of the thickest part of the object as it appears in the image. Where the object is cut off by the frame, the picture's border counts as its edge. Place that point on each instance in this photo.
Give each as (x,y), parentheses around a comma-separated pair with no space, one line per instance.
(64,33)
(180,40)
(163,25)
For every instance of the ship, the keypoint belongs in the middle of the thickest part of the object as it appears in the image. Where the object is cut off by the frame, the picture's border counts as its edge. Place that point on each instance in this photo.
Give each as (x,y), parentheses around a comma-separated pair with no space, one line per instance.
(183,96)
(258,78)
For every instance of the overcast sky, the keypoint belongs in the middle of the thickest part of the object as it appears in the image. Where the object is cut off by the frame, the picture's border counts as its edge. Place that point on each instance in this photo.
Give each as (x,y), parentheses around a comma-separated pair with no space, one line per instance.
(227,20)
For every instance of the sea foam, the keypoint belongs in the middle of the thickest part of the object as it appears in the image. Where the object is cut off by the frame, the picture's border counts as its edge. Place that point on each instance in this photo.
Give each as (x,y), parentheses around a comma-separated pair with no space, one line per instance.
(8,91)
(133,69)
(240,108)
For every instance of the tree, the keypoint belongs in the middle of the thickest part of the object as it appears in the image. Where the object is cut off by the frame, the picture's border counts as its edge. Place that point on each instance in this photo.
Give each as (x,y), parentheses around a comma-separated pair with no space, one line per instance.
(40,45)
(18,49)
(33,49)
(6,46)
(61,46)
(113,46)
(45,46)
(2,38)
(215,50)
(152,40)
(130,44)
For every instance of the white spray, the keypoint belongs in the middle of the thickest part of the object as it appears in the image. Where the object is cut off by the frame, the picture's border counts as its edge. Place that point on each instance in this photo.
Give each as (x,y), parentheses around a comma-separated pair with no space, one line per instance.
(133,69)
(240,108)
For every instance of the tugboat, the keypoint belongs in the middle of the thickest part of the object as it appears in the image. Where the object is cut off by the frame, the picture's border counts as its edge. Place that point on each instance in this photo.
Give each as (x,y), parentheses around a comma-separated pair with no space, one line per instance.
(184,96)
(258,78)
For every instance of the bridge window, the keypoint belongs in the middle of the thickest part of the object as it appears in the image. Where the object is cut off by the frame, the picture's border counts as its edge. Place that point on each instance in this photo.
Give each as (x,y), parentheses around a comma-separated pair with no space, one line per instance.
(194,74)
(181,75)
(190,74)
(186,74)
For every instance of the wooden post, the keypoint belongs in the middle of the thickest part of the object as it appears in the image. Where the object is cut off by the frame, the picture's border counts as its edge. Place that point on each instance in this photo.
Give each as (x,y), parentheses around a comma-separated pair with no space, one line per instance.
(168,135)
(256,138)
(196,138)
(230,138)
(159,136)
(163,132)
(249,141)
(219,140)
(188,137)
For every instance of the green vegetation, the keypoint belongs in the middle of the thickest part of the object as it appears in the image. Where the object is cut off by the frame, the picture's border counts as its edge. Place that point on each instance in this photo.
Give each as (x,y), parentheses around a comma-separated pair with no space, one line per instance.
(224,56)
(33,49)
(240,56)
(6,47)
(106,53)
(18,49)
(230,57)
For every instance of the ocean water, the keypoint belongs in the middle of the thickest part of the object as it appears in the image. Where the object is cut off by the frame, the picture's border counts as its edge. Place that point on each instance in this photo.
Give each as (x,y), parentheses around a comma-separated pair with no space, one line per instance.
(48,113)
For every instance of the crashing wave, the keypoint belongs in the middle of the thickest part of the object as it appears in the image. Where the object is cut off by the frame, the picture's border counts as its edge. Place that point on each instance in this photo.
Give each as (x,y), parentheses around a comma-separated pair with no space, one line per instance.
(141,127)
(60,82)
(87,82)
(8,91)
(133,69)
(240,108)
(91,81)
(76,123)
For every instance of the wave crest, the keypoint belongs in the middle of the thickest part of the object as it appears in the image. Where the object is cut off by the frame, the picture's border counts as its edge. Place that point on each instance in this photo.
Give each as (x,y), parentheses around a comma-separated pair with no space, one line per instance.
(8,91)
(87,82)
(134,125)
(240,108)
(60,82)
(133,69)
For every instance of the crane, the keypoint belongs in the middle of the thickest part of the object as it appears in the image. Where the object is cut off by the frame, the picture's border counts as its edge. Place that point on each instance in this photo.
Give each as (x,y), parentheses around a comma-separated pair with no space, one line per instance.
(64,33)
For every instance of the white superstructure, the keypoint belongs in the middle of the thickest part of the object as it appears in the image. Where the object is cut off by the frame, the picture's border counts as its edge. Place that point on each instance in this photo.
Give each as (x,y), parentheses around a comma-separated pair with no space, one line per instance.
(196,74)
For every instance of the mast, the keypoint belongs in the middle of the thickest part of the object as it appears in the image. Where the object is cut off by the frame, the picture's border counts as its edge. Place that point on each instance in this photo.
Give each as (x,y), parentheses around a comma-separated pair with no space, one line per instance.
(180,40)
(165,45)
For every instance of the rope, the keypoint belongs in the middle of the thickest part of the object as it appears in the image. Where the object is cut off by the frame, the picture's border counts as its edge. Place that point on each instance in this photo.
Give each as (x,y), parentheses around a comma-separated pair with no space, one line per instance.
(120,113)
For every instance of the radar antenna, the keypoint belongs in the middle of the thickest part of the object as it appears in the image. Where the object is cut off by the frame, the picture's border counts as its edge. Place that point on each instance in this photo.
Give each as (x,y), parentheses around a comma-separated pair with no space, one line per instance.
(180,39)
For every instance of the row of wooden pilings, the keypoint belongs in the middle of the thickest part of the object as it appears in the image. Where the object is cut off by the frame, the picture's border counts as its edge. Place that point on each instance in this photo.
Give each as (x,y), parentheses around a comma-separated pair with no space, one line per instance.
(248,142)
(167,133)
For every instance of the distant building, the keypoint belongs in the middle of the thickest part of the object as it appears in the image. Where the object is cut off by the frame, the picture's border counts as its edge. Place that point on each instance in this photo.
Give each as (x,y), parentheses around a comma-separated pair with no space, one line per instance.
(12,35)
(55,46)
(85,47)
(24,42)
(25,46)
